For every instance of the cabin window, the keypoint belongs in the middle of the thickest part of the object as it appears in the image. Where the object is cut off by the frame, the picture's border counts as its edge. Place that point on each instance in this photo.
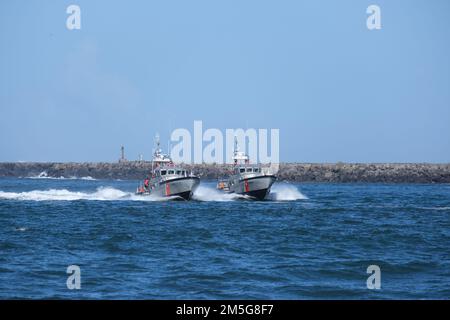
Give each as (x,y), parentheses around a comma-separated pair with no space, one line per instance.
(249,169)
(178,172)
(183,173)
(242,170)
(256,170)
(163,172)
(171,172)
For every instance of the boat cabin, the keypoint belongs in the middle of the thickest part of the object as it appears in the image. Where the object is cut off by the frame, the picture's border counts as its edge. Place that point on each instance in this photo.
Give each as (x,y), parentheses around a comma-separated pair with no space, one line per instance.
(168,171)
(247,169)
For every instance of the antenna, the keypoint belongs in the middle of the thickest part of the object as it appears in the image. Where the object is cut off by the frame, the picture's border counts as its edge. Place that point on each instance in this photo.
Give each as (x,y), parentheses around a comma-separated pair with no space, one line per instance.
(157,140)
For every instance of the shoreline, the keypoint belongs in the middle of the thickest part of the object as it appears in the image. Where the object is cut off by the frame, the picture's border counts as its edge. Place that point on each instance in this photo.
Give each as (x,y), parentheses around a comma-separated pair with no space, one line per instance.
(293,172)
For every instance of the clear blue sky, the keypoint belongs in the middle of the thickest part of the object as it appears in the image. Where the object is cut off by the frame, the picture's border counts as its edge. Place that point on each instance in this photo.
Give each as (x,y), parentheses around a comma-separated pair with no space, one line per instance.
(336,91)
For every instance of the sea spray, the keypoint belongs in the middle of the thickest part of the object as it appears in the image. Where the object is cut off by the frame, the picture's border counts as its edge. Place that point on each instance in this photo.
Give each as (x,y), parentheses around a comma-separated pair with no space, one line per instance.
(285,192)
(101,194)
(279,192)
(44,175)
(207,192)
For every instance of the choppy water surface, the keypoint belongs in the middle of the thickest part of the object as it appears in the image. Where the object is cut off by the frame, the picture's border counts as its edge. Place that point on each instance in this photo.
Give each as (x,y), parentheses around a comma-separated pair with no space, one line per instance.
(309,241)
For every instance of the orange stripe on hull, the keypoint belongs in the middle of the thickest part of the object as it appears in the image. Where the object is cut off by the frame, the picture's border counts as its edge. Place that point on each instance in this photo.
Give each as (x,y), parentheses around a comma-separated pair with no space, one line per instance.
(167,189)
(246,185)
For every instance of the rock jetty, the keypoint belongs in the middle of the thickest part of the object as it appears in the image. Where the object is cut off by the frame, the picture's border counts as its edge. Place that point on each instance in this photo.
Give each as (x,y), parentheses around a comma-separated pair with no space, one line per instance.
(298,172)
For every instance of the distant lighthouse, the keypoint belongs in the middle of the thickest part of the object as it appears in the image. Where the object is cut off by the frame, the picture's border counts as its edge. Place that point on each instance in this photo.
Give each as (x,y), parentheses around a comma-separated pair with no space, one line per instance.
(122,155)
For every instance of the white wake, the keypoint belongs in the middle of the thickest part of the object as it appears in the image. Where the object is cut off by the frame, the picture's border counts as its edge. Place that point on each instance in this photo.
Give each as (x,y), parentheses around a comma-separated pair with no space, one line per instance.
(279,192)
(285,192)
(209,193)
(101,194)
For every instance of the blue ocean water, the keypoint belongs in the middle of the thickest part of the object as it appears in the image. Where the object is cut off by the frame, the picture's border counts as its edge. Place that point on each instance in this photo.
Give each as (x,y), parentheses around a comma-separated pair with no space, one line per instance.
(309,241)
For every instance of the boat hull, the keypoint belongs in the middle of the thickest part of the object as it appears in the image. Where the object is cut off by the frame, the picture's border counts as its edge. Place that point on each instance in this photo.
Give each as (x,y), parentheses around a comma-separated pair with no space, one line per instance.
(179,188)
(255,187)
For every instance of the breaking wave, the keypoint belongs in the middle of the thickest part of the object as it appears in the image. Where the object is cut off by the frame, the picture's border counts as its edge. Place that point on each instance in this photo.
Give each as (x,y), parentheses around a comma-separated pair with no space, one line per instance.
(44,175)
(83,178)
(434,208)
(285,192)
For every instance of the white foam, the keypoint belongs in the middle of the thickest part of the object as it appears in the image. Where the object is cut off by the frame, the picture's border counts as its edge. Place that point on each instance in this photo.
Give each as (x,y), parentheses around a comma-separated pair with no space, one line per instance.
(83,178)
(434,208)
(279,192)
(209,193)
(285,192)
(101,194)
(44,175)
